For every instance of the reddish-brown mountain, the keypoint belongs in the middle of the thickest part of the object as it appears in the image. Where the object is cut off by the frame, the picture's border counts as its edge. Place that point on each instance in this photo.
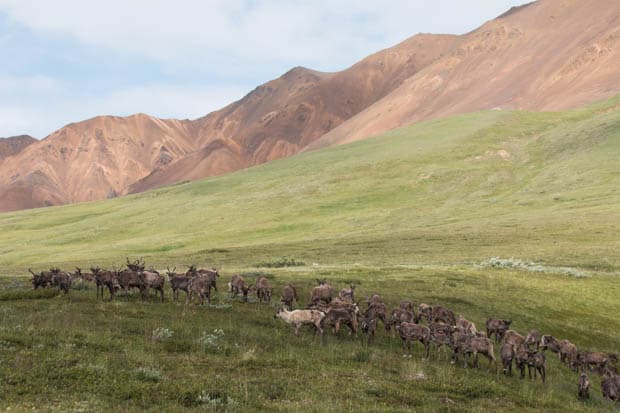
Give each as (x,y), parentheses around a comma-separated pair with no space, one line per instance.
(547,55)
(283,116)
(552,54)
(108,156)
(93,159)
(14,145)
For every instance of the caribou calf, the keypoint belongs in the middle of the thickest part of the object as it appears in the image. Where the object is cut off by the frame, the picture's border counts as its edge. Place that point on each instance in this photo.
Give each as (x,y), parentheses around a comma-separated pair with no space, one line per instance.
(337,316)
(178,282)
(521,358)
(536,361)
(237,286)
(480,345)
(533,338)
(414,332)
(498,327)
(289,295)
(263,292)
(583,386)
(507,354)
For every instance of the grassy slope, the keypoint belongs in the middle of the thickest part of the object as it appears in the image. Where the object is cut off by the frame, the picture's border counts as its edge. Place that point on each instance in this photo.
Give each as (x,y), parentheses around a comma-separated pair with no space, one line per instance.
(438,188)
(405,214)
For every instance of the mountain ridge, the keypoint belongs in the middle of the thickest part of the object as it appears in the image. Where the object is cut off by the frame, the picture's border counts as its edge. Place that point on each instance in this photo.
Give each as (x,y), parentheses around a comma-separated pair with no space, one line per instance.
(500,62)
(13,145)
(546,55)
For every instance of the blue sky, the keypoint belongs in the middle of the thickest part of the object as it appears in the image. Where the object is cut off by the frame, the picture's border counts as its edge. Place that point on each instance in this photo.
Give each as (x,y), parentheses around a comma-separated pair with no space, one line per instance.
(68,60)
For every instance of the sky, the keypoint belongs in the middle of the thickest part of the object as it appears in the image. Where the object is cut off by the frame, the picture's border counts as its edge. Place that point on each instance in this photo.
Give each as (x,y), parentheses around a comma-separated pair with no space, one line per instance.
(69,60)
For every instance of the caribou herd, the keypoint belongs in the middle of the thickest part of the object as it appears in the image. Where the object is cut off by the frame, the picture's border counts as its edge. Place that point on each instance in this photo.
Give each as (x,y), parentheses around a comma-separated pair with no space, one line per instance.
(430,325)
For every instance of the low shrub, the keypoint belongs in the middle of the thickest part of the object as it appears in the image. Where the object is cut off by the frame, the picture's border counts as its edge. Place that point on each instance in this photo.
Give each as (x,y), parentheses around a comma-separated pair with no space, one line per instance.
(281,262)
(212,342)
(161,334)
(148,375)
(496,262)
(217,401)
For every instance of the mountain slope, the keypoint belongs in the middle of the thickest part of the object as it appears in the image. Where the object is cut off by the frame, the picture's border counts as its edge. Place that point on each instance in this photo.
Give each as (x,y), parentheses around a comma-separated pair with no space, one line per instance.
(548,55)
(106,156)
(283,116)
(13,145)
(93,159)
(538,186)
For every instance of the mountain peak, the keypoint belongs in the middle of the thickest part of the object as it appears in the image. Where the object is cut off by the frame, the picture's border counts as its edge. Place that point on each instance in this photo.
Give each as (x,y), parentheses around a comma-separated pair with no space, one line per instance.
(547,55)
(13,145)
(515,9)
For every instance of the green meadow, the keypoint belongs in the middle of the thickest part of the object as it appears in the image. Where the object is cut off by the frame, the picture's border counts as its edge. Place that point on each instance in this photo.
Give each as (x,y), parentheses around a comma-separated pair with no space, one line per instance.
(492,214)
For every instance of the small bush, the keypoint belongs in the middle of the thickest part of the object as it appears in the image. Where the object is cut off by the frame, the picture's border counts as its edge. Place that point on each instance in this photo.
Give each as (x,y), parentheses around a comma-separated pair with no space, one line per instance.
(249,355)
(148,374)
(161,333)
(496,262)
(281,262)
(189,399)
(217,401)
(378,393)
(212,341)
(6,345)
(275,392)
(362,356)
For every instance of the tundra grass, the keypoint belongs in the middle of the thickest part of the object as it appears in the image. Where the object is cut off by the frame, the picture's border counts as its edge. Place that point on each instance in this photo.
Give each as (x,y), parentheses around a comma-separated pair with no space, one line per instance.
(71,352)
(416,213)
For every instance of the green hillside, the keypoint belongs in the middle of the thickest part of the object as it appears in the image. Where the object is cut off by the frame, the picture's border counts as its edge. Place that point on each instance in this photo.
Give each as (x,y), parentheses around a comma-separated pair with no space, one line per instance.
(535,186)
(414,214)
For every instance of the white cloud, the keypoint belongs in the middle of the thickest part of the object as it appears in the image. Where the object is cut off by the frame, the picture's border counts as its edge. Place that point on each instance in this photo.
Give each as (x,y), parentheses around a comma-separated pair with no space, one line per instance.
(14,121)
(223,33)
(21,100)
(167,100)
(26,85)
